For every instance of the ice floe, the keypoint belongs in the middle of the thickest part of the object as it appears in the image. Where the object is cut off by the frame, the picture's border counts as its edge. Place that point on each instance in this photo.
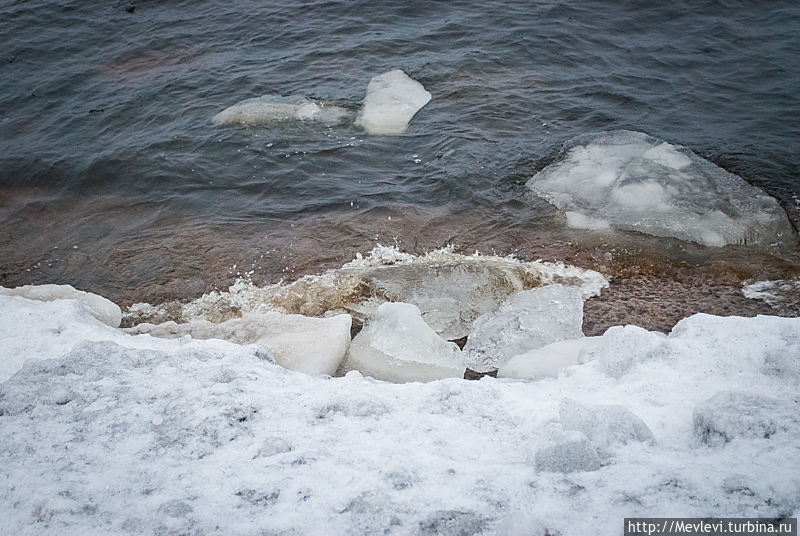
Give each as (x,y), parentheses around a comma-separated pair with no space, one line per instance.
(547,361)
(297,342)
(631,181)
(270,108)
(525,321)
(99,307)
(208,436)
(392,100)
(398,346)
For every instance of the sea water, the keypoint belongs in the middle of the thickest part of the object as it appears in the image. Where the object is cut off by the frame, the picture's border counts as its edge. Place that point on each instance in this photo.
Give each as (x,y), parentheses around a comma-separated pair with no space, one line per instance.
(114,179)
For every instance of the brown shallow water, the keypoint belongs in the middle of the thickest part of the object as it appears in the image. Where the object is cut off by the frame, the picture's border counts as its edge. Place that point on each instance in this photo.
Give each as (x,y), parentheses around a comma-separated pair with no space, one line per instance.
(133,252)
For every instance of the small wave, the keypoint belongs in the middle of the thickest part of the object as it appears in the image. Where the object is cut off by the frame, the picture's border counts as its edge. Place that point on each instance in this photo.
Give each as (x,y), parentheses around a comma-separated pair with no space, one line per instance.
(450,289)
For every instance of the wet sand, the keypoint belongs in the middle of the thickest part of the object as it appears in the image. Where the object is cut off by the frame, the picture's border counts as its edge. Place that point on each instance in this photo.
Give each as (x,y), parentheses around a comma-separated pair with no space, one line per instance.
(131,252)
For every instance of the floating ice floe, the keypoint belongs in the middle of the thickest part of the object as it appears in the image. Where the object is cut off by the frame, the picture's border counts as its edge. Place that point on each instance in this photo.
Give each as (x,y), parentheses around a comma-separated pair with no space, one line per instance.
(392,100)
(209,436)
(296,342)
(270,108)
(631,181)
(525,321)
(99,307)
(397,345)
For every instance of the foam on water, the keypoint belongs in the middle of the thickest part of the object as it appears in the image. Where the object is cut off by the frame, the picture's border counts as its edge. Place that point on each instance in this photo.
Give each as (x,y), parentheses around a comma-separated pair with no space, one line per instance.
(631,181)
(269,108)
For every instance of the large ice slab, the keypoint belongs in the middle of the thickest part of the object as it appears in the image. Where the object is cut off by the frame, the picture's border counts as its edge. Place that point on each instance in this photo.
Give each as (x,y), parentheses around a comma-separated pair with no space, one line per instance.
(397,345)
(392,100)
(631,181)
(296,342)
(525,321)
(270,108)
(99,307)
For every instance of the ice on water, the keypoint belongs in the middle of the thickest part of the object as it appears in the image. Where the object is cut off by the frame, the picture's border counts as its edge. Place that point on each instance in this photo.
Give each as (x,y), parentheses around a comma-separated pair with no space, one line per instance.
(210,436)
(270,108)
(397,345)
(392,99)
(525,321)
(631,181)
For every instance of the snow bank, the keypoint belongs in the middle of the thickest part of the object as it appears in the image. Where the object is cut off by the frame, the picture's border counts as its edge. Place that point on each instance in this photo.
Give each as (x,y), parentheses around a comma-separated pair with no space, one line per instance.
(392,100)
(525,321)
(270,108)
(397,345)
(297,342)
(99,307)
(207,436)
(630,181)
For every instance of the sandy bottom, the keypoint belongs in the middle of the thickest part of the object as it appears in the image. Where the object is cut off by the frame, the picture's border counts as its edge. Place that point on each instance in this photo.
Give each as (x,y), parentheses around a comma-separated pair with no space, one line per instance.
(132,252)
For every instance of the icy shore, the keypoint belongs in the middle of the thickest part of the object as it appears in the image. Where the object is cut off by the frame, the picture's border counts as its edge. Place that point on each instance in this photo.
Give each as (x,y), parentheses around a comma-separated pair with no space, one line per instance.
(102,431)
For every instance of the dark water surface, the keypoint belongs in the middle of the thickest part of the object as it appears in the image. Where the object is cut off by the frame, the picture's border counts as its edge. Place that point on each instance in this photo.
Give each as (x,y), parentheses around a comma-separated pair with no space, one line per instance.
(113,179)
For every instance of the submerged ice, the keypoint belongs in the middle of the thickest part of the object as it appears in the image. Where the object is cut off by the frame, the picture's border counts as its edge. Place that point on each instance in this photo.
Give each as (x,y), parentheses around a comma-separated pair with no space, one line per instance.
(208,436)
(630,181)
(270,108)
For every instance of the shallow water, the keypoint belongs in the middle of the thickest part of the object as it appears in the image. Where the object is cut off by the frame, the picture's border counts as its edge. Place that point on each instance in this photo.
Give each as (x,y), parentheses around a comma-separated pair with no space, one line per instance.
(113,179)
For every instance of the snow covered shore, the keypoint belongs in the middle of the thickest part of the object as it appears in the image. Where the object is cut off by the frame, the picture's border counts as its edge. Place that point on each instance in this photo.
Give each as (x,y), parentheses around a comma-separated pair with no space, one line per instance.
(104,432)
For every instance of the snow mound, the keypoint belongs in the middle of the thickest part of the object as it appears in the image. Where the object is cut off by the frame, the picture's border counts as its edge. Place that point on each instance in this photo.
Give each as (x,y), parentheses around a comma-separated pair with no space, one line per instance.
(207,436)
(576,454)
(397,345)
(728,415)
(525,321)
(631,181)
(604,425)
(271,108)
(392,100)
(547,361)
(99,307)
(296,342)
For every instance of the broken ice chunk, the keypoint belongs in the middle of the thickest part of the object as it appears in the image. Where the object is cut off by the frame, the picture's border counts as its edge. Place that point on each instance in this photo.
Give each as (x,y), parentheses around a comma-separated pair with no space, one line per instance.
(572,455)
(604,425)
(99,307)
(392,100)
(547,361)
(296,342)
(631,181)
(397,345)
(525,321)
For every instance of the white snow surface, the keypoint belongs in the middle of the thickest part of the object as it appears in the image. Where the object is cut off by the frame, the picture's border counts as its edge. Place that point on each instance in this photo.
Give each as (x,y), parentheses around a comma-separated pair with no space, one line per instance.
(397,345)
(391,101)
(525,321)
(271,108)
(631,181)
(99,307)
(297,342)
(103,432)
